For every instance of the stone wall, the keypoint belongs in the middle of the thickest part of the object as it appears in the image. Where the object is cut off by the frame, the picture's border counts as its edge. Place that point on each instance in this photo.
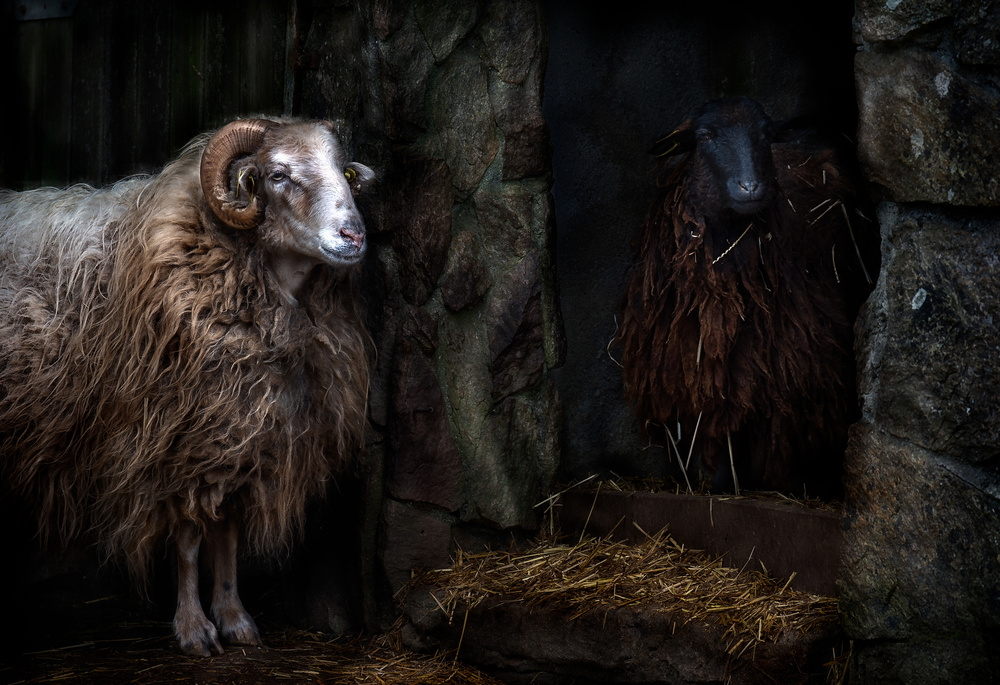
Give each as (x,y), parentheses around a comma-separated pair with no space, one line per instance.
(443,99)
(920,588)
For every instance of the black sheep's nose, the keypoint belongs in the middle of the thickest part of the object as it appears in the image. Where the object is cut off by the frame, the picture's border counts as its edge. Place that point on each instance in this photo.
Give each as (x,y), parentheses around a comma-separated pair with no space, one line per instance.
(748,189)
(745,190)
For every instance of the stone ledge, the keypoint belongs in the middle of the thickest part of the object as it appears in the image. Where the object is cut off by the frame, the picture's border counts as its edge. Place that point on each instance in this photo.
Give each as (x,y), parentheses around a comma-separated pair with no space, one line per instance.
(518,643)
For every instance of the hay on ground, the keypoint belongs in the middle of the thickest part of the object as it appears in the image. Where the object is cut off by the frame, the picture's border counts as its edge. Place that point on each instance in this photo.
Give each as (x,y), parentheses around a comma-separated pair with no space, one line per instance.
(659,575)
(291,656)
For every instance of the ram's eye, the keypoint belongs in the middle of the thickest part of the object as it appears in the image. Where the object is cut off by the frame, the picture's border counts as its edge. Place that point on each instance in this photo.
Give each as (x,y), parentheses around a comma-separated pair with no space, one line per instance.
(350,175)
(277,176)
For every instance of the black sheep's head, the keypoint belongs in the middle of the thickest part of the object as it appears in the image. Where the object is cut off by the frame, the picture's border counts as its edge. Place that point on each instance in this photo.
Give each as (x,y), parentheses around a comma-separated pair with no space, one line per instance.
(730,167)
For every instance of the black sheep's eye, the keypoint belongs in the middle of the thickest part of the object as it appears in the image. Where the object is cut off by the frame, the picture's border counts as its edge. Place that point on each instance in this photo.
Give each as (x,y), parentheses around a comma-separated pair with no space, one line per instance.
(704,135)
(278,176)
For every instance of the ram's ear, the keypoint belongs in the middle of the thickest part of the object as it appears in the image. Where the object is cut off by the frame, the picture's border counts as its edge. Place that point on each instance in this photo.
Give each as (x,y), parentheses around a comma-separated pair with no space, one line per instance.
(681,140)
(243,182)
(358,176)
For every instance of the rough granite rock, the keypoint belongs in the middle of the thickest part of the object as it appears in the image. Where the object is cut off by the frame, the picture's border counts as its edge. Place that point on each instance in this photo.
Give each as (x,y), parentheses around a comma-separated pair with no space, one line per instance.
(505,219)
(921,555)
(518,453)
(444,23)
(931,355)
(977,33)
(422,329)
(421,200)
(514,316)
(424,464)
(466,278)
(921,561)
(532,644)
(388,16)
(461,116)
(464,308)
(887,20)
(927,129)
(510,34)
(406,62)
(975,25)
(969,658)
(921,558)
(526,149)
(415,539)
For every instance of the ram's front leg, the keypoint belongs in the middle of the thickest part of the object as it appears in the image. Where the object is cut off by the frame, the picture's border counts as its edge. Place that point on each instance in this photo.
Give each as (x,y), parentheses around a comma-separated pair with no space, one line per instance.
(235,624)
(196,634)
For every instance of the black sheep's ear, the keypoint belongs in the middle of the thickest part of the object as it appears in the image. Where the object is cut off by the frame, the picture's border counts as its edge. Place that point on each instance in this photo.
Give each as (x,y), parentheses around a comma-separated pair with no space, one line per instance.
(795,129)
(680,141)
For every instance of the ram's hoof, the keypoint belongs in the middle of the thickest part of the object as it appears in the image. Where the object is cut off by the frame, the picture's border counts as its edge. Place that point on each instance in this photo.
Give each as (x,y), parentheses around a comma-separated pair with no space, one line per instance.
(198,638)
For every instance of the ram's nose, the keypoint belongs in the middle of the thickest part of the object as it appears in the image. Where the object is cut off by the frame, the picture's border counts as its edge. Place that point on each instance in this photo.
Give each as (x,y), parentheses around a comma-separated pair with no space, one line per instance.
(354,232)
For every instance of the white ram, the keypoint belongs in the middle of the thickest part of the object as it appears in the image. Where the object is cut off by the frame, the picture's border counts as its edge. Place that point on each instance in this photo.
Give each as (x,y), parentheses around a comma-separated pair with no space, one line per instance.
(182,356)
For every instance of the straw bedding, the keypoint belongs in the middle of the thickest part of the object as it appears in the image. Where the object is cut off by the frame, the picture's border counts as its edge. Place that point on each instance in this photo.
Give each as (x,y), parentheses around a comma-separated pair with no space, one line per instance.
(594,575)
(292,656)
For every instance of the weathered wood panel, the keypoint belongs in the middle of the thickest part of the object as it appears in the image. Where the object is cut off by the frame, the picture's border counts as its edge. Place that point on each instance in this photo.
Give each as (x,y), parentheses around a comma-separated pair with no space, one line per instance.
(119,87)
(87,117)
(42,97)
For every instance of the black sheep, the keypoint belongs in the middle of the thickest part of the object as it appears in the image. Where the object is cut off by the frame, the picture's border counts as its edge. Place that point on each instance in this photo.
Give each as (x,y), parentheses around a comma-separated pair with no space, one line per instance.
(737,328)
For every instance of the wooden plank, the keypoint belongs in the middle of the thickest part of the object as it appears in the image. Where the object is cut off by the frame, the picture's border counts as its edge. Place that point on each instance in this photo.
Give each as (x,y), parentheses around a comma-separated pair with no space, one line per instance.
(56,101)
(187,80)
(246,60)
(291,46)
(121,23)
(223,64)
(252,57)
(269,46)
(152,87)
(27,113)
(41,103)
(90,74)
(9,159)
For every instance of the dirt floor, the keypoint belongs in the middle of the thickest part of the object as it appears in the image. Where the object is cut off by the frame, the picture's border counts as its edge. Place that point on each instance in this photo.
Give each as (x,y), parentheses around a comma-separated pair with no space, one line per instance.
(66,622)
(291,656)
(73,628)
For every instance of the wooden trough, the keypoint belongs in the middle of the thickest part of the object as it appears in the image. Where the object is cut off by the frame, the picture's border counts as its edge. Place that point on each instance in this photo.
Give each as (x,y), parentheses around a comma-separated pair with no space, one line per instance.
(782,536)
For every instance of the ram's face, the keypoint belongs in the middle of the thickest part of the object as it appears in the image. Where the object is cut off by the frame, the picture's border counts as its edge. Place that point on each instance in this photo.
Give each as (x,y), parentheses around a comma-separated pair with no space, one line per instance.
(310,189)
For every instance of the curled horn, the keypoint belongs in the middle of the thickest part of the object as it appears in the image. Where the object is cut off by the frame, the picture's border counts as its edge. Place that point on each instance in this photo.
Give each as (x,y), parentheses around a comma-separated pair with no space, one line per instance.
(234,140)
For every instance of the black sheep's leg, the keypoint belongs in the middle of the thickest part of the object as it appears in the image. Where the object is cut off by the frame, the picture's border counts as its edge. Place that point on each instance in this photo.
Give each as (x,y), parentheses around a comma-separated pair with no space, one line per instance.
(722,482)
(729,474)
